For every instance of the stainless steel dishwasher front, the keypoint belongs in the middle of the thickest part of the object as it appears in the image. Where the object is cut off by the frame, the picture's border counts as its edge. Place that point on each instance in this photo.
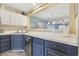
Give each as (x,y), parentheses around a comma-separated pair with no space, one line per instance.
(28,45)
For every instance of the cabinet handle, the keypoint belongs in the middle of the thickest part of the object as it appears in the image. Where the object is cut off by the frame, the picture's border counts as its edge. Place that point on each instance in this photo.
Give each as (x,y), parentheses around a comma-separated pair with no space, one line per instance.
(54,46)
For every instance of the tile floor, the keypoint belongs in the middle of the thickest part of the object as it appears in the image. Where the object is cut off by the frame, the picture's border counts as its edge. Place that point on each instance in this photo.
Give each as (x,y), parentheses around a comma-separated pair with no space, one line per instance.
(14,53)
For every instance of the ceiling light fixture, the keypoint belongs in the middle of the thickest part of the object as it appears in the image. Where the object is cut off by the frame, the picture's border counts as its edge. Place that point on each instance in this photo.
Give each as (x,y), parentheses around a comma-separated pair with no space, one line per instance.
(34,4)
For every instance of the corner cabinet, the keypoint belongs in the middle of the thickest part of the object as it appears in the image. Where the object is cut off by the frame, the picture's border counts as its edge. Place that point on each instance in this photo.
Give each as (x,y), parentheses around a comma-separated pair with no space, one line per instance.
(37,47)
(22,20)
(14,19)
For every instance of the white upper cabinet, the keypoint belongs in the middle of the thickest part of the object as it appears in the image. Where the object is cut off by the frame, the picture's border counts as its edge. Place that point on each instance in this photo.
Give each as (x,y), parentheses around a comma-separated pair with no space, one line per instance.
(20,20)
(14,18)
(5,17)
(23,20)
(11,18)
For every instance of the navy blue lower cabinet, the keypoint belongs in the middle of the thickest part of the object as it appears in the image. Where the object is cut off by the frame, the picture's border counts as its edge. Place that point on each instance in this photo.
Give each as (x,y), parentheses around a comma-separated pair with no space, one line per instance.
(17,42)
(41,47)
(74,51)
(59,49)
(37,47)
(5,43)
(37,50)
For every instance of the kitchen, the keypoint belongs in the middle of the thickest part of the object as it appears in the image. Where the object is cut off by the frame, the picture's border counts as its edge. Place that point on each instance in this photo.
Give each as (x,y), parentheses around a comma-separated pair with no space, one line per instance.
(39,29)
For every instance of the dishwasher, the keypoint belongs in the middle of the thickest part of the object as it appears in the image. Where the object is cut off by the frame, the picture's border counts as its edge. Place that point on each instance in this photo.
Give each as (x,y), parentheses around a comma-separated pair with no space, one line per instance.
(27,48)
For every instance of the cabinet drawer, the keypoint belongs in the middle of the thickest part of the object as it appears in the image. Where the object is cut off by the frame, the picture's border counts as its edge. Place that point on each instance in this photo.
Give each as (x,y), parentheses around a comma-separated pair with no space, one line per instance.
(50,44)
(4,40)
(5,44)
(51,52)
(38,40)
(66,49)
(4,49)
(5,36)
(17,36)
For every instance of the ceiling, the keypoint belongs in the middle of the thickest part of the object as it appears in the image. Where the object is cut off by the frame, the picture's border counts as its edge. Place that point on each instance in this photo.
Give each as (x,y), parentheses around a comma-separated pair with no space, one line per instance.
(55,12)
(23,7)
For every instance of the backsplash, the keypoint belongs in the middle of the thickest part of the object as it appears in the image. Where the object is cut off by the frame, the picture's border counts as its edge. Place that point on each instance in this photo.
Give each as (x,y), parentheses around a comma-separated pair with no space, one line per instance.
(37,23)
(1,31)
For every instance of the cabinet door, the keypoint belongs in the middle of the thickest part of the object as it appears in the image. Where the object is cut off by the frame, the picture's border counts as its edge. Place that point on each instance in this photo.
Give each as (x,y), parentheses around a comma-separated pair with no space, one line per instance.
(4,49)
(74,51)
(5,17)
(14,19)
(20,20)
(37,50)
(17,43)
(4,43)
(23,20)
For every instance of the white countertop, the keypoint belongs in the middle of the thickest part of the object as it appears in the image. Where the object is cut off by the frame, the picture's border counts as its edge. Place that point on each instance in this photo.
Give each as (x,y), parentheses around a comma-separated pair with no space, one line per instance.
(57,37)
(66,39)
